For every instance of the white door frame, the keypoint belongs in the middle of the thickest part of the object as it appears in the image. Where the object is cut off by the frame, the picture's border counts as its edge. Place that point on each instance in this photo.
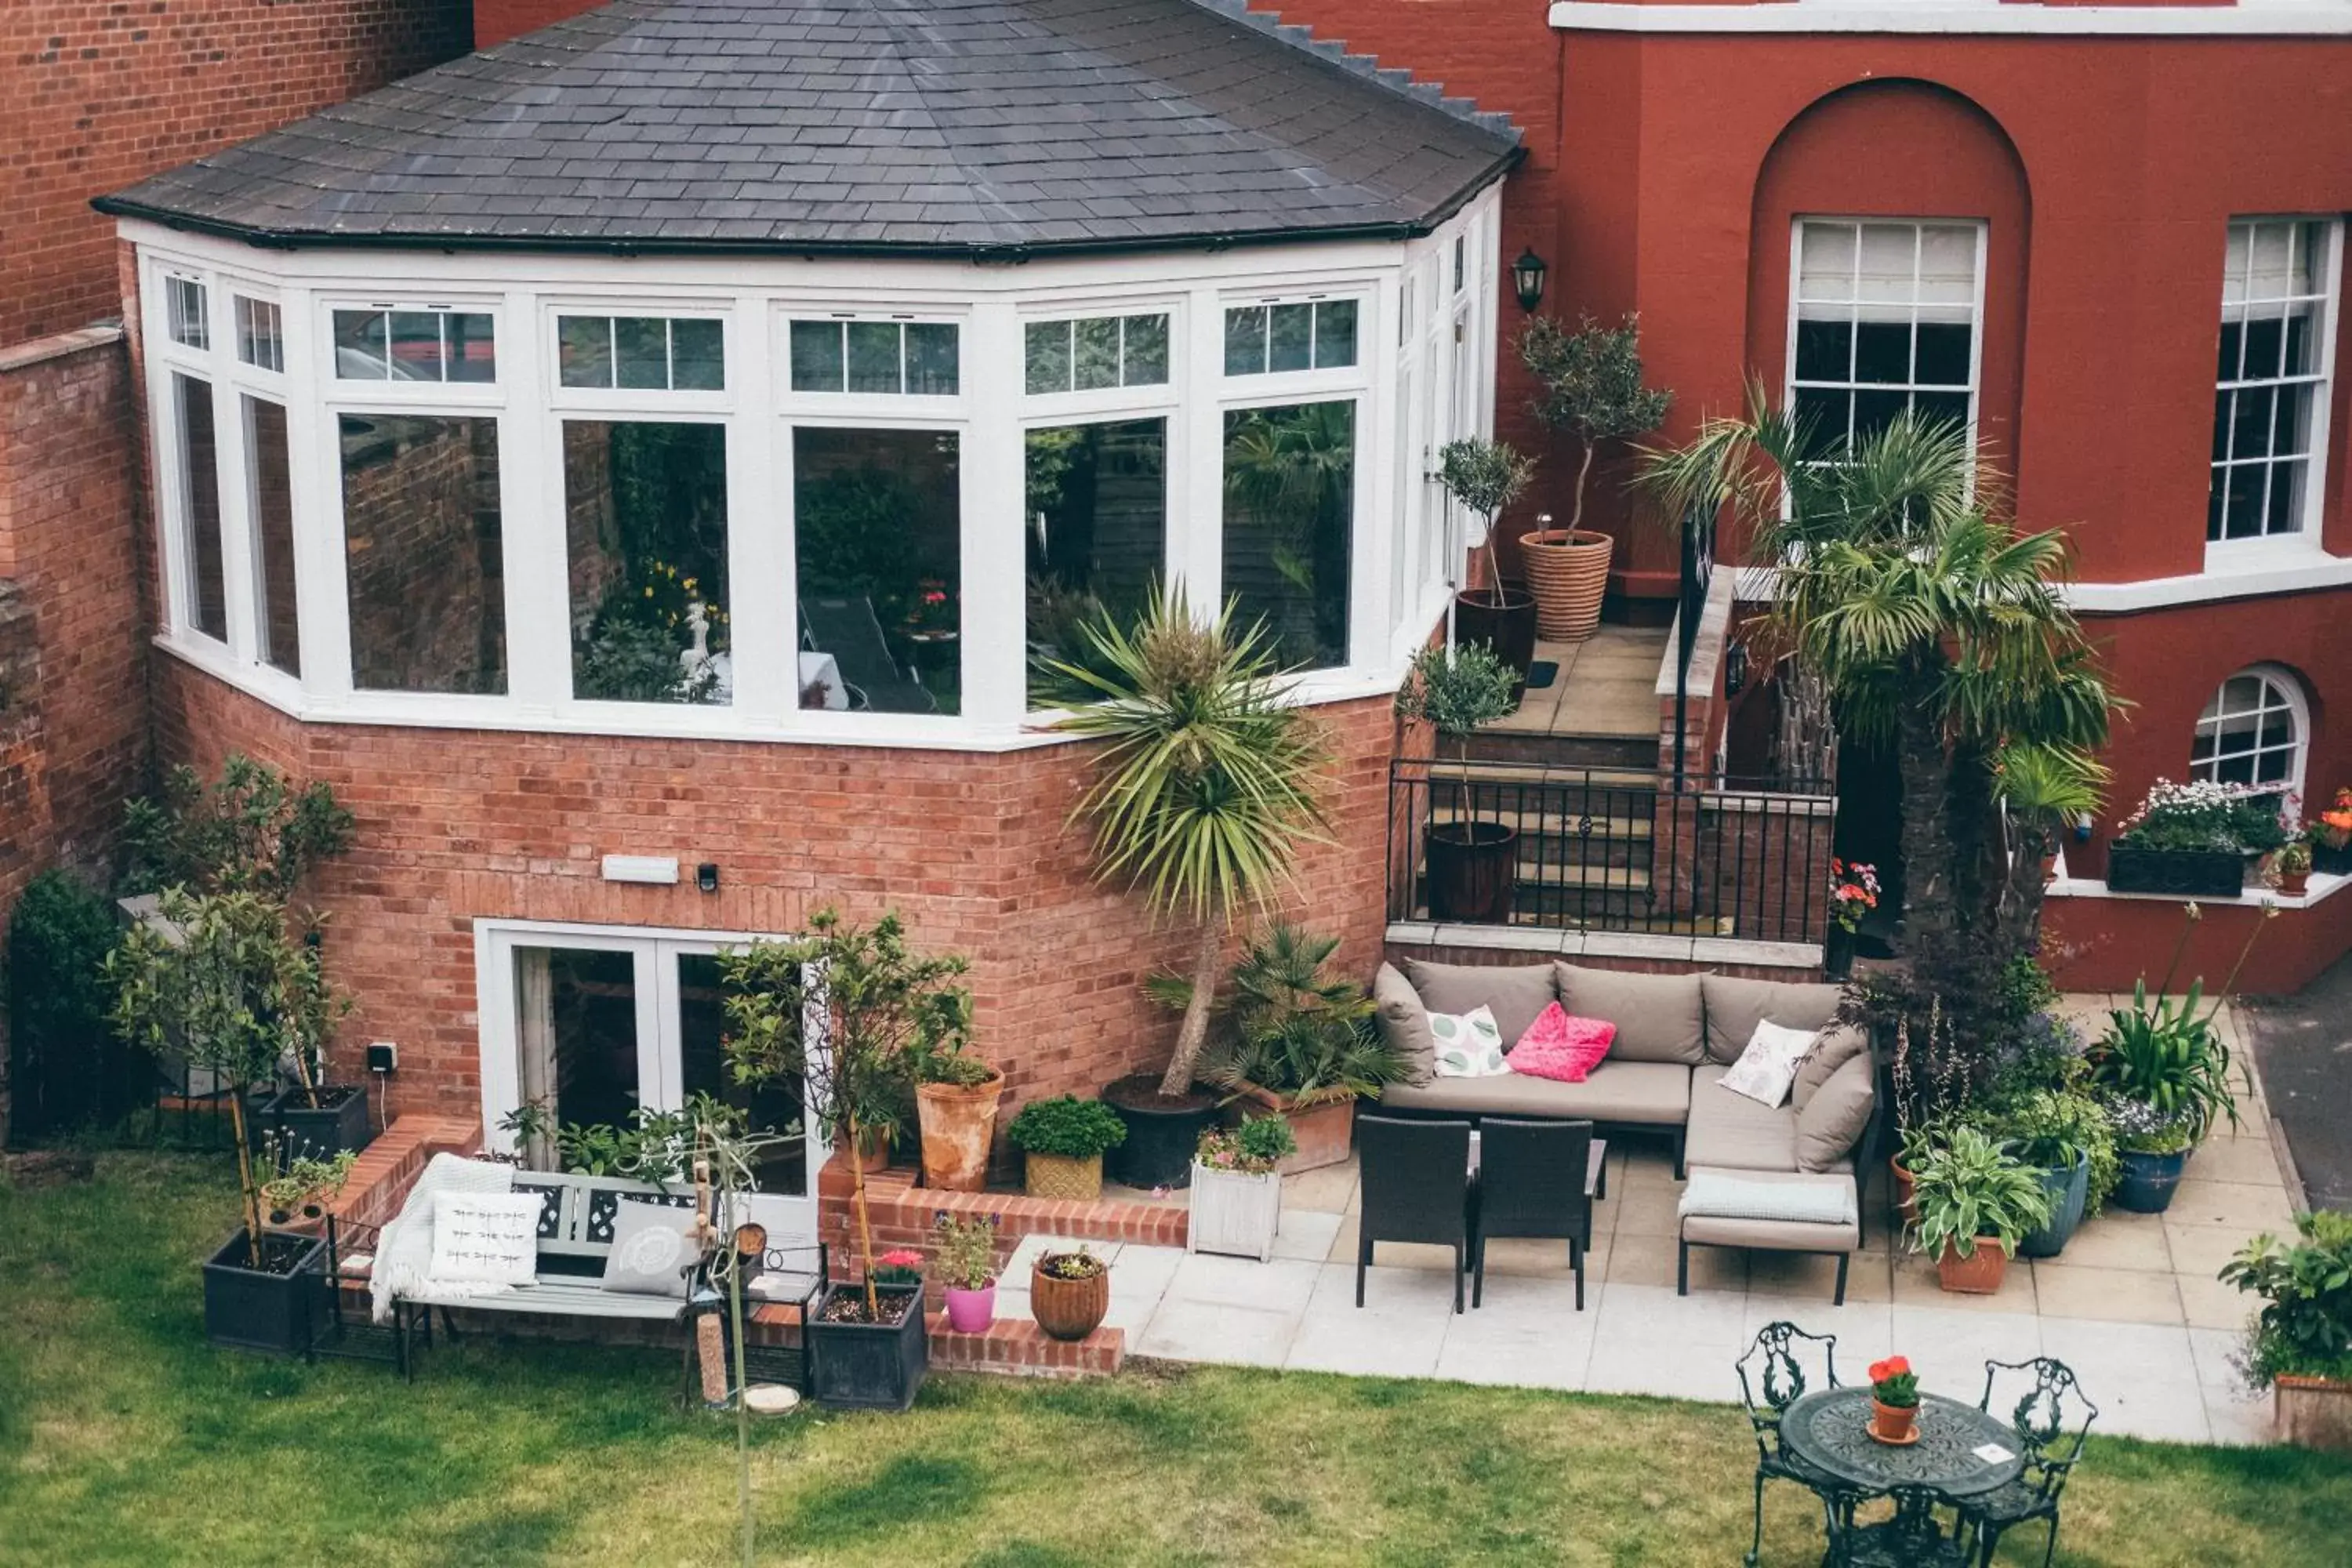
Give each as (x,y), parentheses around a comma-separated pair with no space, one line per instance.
(659,1062)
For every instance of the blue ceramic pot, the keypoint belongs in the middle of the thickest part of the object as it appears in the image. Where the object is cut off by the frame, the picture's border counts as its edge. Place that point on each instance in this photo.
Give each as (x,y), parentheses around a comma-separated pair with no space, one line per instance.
(2148,1180)
(2069,1189)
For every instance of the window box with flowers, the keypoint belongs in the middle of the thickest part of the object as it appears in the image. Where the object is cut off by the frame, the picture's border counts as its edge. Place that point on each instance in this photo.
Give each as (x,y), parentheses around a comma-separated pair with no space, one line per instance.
(2193,839)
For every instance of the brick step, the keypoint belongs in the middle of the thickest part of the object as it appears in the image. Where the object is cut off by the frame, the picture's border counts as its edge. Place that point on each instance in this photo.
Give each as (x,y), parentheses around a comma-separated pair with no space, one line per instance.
(1566,751)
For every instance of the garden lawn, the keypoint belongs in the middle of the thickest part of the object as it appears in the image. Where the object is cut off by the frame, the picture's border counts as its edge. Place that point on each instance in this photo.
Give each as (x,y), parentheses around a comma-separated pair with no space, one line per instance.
(124,1439)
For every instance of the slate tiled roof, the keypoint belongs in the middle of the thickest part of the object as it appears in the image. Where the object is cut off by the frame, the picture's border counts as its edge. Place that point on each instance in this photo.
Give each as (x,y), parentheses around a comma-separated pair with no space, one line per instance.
(806,125)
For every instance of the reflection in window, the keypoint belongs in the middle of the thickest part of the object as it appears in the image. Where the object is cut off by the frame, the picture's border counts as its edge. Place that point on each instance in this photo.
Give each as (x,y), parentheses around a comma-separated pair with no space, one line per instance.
(414,345)
(200,506)
(1260,339)
(183,312)
(1290,486)
(576,1033)
(2271,380)
(1097,534)
(645,519)
(876,522)
(421,541)
(1094,352)
(269,497)
(2248,734)
(650,351)
(1886,321)
(774,1106)
(885,357)
(260,341)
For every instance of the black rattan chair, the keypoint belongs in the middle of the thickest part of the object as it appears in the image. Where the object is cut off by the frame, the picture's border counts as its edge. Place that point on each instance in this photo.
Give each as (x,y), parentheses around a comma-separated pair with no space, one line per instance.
(2046,1395)
(1535,1179)
(1782,1365)
(1416,1187)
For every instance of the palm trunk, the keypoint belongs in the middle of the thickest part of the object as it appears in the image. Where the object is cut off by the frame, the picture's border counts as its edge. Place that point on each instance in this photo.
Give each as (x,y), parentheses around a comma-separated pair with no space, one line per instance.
(1178,1079)
(1928,913)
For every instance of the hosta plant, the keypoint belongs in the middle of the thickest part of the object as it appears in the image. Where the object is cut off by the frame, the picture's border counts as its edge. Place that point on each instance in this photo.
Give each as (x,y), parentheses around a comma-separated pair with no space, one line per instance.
(1971,1189)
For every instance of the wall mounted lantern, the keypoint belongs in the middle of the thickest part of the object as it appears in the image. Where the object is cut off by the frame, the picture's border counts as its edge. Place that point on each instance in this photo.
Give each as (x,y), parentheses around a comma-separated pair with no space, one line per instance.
(1528,280)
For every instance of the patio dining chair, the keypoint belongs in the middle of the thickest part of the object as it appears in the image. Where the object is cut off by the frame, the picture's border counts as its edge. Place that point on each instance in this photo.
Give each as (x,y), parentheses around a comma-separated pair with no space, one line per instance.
(1416,1187)
(2041,1396)
(1535,1179)
(848,629)
(1784,1364)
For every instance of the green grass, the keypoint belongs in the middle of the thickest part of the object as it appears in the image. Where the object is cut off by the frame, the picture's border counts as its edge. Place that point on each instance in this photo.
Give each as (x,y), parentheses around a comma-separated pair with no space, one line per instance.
(124,1439)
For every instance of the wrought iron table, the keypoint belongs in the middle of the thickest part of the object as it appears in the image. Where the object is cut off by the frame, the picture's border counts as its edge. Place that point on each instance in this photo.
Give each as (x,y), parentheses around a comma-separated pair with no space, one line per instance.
(1827,1434)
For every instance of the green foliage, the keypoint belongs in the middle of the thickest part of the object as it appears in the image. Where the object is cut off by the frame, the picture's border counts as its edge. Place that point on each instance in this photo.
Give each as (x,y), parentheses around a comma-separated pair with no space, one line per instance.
(2049,1129)
(655,1146)
(2049,785)
(2025,988)
(2304,1327)
(306,1182)
(1589,385)
(2227,819)
(963,1251)
(1252,1148)
(1457,690)
(250,831)
(58,997)
(1485,477)
(2142,1128)
(1079,1264)
(1290,1027)
(952,1066)
(1066,1126)
(1968,1189)
(850,532)
(627,657)
(2164,1056)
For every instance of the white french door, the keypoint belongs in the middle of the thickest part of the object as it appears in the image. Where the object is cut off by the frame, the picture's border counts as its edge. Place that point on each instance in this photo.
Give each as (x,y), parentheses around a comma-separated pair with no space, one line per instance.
(592,1022)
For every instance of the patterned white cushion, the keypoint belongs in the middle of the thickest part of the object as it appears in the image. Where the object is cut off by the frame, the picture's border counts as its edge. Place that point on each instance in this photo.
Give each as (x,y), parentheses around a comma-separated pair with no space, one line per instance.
(485,1238)
(1469,1044)
(1730,1195)
(1769,1065)
(651,1248)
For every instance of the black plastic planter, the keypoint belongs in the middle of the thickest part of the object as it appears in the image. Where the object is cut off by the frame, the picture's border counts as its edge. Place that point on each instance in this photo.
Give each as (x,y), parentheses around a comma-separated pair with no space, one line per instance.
(1474,869)
(1161,1135)
(338,1121)
(2332,862)
(869,1366)
(276,1309)
(2190,873)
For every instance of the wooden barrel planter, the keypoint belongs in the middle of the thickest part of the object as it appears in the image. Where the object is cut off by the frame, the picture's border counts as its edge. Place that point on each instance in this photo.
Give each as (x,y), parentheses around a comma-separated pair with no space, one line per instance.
(1568,571)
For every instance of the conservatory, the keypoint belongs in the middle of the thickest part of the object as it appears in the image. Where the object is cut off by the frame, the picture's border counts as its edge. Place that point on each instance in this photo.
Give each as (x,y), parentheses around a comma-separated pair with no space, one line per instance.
(741,378)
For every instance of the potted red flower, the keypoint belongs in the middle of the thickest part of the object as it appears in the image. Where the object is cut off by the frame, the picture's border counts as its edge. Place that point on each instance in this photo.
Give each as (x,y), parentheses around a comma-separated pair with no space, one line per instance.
(1893,1400)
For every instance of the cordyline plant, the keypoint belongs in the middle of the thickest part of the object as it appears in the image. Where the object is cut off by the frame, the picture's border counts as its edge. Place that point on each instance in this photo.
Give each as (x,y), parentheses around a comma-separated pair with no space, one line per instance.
(225,982)
(847,1010)
(1204,790)
(1590,381)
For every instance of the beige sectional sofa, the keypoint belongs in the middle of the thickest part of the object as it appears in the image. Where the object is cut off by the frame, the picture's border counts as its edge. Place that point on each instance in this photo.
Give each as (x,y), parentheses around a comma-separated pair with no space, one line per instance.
(1677,1034)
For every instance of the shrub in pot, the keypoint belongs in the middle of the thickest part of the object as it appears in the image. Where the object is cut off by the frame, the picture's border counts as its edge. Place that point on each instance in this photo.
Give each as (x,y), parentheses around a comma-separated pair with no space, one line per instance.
(1062,1141)
(2291,867)
(2164,1074)
(2330,836)
(1473,863)
(1975,1200)
(1486,477)
(955,1107)
(1237,1188)
(1069,1292)
(2151,1151)
(2299,1345)
(964,1256)
(2066,1136)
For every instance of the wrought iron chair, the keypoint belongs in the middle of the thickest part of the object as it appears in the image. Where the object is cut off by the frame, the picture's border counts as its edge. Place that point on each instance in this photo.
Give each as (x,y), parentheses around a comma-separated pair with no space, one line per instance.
(1416,1187)
(1775,1366)
(1535,1179)
(1912,1539)
(2047,1394)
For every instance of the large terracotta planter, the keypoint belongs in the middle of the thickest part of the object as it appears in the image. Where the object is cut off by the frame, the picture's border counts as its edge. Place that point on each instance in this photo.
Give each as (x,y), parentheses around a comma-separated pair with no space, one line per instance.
(957,1124)
(1568,571)
(1068,1308)
(1906,1204)
(1324,1129)
(1061,1178)
(1978,1275)
(2313,1413)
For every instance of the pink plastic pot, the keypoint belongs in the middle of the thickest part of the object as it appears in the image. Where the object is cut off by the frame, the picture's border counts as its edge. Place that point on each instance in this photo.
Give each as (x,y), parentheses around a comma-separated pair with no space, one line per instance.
(971,1311)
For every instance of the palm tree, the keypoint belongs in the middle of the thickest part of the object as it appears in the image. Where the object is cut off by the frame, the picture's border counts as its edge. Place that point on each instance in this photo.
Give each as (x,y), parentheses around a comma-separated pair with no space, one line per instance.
(2040,788)
(1939,627)
(1205,788)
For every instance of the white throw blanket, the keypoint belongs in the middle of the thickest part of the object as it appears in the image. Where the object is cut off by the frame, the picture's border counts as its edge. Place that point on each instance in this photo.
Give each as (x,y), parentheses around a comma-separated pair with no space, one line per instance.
(404,1252)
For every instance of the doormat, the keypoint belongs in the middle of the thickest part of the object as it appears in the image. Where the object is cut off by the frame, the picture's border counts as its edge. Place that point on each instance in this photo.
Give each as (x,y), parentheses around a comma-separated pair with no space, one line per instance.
(1541,673)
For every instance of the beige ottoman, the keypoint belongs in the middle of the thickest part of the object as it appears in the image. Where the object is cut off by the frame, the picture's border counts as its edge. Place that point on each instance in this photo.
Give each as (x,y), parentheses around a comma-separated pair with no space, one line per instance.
(1773,1211)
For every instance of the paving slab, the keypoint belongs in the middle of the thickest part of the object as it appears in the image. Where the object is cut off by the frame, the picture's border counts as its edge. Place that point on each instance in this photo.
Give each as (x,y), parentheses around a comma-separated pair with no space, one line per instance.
(2303,1046)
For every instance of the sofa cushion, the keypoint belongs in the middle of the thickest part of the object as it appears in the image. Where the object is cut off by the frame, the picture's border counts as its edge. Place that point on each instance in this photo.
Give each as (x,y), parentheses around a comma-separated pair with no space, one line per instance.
(1468,1044)
(1767,1067)
(1559,1046)
(1517,994)
(1735,1006)
(1833,1119)
(1654,1094)
(1659,1017)
(1776,1235)
(1732,1131)
(1838,1046)
(1404,1024)
(1755,1195)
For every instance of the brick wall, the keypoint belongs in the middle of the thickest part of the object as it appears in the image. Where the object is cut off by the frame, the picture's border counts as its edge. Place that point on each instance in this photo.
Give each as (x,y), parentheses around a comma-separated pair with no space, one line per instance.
(974,849)
(103,93)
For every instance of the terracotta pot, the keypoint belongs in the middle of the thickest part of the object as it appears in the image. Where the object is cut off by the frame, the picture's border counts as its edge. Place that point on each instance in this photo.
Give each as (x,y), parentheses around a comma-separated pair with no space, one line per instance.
(1904,1204)
(2049,867)
(1568,571)
(1068,1308)
(2295,884)
(1062,1177)
(1324,1129)
(1892,1423)
(873,1151)
(958,1125)
(1979,1275)
(2313,1413)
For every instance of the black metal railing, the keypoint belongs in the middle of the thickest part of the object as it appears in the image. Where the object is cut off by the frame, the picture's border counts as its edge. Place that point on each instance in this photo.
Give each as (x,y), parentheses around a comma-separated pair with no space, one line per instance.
(1695,577)
(1608,849)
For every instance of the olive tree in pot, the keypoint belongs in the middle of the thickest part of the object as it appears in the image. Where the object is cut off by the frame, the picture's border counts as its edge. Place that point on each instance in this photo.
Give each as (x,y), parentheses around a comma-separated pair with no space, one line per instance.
(1483,477)
(1976,1201)
(847,1009)
(221,982)
(1473,863)
(1203,793)
(2300,1345)
(1062,1141)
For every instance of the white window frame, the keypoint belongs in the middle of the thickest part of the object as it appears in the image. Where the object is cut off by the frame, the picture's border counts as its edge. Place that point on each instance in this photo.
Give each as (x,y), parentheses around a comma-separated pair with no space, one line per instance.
(2303,537)
(391,389)
(845,315)
(1797,303)
(1170,391)
(1367,336)
(2293,702)
(553,307)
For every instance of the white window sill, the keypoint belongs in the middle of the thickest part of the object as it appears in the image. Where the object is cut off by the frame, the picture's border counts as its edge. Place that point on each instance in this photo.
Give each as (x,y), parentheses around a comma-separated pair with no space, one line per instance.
(2323,885)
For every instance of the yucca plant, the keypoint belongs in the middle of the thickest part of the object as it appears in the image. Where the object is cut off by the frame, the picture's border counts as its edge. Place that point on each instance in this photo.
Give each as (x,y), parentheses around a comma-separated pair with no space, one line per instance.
(1205,785)
(1969,1189)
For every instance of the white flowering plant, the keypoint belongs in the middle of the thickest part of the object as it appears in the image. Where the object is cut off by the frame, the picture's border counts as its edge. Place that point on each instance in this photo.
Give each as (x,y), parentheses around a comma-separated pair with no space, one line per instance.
(2204,816)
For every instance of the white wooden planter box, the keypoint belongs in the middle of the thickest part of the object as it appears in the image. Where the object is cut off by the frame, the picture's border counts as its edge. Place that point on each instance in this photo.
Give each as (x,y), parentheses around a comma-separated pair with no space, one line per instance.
(1234,1214)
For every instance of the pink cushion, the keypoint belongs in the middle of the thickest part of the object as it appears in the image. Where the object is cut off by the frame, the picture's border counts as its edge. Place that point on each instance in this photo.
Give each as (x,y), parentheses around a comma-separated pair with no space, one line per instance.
(1562,1046)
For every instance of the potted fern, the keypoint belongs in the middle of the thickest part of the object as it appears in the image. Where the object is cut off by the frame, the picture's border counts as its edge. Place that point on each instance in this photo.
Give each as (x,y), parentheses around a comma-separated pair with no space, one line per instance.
(1483,477)
(1473,863)
(1237,1188)
(1975,1202)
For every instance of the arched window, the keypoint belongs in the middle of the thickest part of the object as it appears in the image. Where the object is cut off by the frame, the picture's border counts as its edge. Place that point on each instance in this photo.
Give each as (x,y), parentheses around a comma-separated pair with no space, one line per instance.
(2254,730)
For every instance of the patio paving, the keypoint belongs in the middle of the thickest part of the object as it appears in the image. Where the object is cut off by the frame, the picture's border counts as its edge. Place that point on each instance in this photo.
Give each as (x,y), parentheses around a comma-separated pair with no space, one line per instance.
(2132,1305)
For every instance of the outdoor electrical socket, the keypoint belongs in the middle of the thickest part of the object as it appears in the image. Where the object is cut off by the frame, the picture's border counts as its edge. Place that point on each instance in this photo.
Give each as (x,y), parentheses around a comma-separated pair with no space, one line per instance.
(382,1056)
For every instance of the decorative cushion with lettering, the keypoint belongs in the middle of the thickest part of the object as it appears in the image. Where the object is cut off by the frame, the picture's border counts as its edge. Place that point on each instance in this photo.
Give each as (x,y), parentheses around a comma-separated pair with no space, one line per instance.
(485,1238)
(1468,1044)
(1557,1046)
(1769,1065)
(652,1245)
